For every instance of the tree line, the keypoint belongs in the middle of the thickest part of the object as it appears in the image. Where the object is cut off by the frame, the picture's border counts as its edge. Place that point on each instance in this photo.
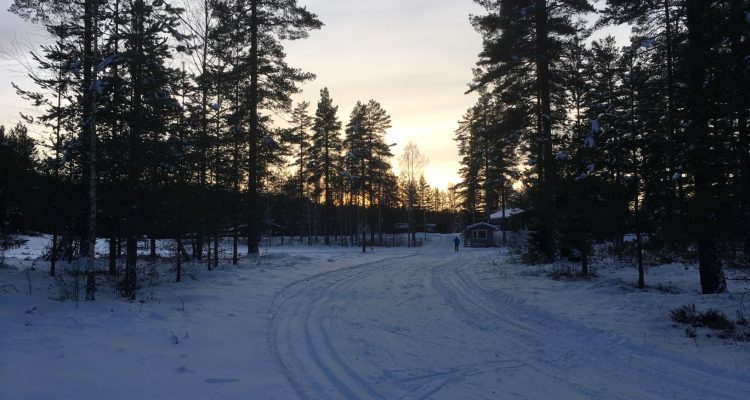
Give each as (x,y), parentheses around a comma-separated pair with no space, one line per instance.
(649,139)
(168,119)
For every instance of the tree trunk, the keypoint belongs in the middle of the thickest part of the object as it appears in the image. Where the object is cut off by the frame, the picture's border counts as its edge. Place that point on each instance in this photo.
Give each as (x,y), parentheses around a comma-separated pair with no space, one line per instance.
(115,247)
(209,264)
(113,255)
(235,242)
(328,197)
(363,223)
(504,224)
(203,174)
(178,260)
(216,248)
(53,253)
(56,170)
(711,274)
(584,254)
(89,130)
(254,134)
(549,226)
(638,238)
(134,137)
(152,247)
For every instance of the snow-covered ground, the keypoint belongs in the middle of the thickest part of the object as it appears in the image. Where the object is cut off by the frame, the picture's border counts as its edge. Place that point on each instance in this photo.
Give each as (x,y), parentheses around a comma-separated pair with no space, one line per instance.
(318,323)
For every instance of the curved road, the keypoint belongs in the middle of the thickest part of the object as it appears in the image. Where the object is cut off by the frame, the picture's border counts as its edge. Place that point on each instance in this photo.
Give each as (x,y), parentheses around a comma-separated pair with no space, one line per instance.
(423,326)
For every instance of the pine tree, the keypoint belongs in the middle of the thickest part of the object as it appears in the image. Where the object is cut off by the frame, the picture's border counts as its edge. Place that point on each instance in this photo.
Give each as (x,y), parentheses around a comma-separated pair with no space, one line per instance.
(273,20)
(298,135)
(699,139)
(325,151)
(54,78)
(19,161)
(366,152)
(521,51)
(151,109)
(85,99)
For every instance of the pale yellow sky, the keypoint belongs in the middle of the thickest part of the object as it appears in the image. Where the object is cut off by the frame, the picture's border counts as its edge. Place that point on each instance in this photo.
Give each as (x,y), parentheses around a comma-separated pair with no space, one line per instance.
(414,57)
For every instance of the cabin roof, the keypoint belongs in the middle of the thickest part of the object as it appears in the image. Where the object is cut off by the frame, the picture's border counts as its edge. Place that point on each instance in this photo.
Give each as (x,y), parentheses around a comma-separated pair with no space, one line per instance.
(509,212)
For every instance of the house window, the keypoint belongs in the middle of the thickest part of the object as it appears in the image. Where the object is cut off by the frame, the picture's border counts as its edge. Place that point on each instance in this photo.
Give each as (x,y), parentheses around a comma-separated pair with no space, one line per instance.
(480,234)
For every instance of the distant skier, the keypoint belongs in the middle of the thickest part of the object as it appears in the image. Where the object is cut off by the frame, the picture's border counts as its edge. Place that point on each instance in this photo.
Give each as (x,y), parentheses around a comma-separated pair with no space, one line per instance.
(456,242)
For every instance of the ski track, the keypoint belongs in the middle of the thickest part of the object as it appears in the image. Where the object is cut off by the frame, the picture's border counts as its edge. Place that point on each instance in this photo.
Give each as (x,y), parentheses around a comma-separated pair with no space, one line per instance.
(466,337)
(324,374)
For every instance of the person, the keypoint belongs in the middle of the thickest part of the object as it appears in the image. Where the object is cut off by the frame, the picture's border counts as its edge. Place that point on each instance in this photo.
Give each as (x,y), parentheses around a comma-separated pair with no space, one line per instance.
(456,242)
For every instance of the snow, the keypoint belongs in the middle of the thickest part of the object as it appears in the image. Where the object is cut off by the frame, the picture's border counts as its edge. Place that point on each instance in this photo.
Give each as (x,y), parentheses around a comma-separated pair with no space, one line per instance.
(315,322)
(509,212)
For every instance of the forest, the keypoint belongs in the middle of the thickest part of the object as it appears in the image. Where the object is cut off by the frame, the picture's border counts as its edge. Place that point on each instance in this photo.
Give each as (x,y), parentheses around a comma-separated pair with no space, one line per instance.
(648,140)
(177,122)
(167,119)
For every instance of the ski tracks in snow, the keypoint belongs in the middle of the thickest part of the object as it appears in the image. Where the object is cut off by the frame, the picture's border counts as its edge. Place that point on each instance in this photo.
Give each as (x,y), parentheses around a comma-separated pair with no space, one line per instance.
(577,360)
(426,327)
(299,334)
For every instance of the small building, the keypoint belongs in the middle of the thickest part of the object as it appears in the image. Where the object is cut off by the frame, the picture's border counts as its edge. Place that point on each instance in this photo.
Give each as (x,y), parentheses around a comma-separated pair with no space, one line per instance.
(480,234)
(512,226)
(401,227)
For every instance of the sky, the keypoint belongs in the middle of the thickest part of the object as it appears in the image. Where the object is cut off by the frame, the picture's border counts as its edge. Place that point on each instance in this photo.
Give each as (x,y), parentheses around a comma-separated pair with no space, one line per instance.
(17,38)
(415,57)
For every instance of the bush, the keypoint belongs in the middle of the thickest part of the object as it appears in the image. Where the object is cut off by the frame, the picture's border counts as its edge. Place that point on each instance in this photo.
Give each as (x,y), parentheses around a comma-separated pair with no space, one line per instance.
(716,320)
(684,314)
(533,254)
(712,319)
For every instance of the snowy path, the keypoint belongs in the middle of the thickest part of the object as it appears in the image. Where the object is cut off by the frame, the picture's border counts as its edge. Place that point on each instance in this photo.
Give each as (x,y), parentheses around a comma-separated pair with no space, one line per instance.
(418,327)
(314,322)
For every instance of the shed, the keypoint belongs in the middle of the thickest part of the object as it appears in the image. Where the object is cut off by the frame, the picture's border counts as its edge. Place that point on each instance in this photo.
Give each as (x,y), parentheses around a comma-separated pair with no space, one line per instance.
(512,224)
(401,227)
(480,235)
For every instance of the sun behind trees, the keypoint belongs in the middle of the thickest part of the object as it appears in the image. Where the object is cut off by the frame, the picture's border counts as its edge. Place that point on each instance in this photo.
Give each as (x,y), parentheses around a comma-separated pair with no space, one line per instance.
(174,120)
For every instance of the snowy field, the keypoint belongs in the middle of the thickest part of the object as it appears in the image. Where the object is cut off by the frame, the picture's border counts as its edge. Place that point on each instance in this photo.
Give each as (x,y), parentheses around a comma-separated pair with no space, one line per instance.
(332,323)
